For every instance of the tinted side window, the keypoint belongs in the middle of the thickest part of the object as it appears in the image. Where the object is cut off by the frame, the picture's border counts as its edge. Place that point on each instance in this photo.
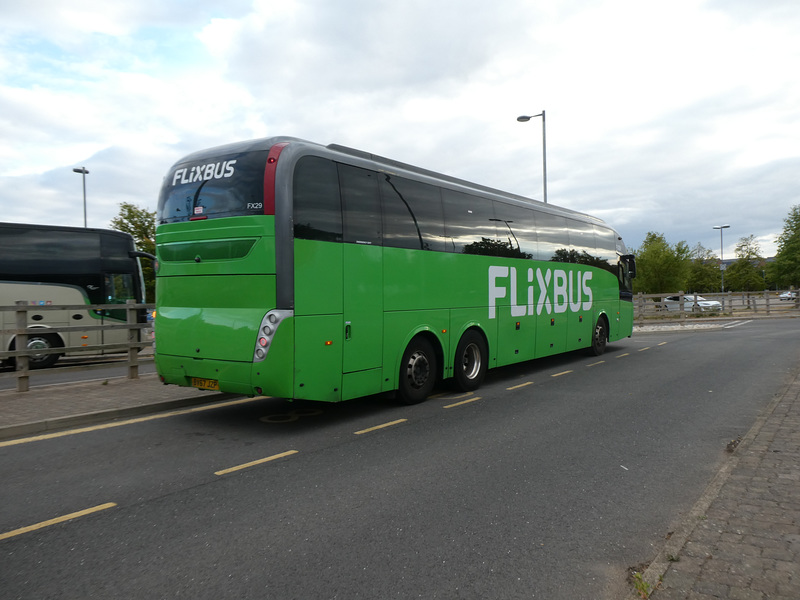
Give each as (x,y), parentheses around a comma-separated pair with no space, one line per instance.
(553,237)
(516,225)
(114,252)
(582,244)
(469,224)
(32,251)
(317,207)
(606,241)
(412,214)
(119,289)
(361,205)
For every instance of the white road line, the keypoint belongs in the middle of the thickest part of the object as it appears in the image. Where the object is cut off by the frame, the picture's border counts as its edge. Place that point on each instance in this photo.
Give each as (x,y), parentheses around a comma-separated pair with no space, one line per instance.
(737,323)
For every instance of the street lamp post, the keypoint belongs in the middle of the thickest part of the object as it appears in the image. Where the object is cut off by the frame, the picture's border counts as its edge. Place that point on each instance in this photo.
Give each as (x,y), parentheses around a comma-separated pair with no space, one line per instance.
(525,119)
(721,257)
(84,172)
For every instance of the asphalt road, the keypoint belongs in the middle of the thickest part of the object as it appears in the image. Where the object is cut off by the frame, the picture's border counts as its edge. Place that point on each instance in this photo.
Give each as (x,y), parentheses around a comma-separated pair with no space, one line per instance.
(546,483)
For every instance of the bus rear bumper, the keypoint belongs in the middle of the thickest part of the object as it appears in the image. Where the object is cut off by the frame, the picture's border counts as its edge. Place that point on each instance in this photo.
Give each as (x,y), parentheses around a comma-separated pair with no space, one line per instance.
(228,376)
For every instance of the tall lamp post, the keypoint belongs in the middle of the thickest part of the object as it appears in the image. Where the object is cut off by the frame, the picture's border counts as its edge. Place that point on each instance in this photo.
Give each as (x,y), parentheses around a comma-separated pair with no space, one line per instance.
(721,257)
(84,172)
(525,119)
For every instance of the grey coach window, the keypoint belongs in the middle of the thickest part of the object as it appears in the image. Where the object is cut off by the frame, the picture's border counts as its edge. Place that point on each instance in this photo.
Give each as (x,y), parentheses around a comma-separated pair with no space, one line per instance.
(516,225)
(412,214)
(317,207)
(581,239)
(361,205)
(469,223)
(553,236)
(606,239)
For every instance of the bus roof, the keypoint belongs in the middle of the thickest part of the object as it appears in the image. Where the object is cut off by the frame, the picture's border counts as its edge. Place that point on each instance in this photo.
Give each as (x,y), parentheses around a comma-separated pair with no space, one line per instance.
(347,154)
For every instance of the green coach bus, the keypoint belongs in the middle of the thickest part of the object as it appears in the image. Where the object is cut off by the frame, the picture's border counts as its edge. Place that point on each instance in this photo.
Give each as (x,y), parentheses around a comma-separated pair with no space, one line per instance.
(304,271)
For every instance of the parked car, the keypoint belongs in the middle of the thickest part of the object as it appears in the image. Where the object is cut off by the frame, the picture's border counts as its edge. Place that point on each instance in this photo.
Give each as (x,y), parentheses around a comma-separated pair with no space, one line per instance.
(690,303)
(791,295)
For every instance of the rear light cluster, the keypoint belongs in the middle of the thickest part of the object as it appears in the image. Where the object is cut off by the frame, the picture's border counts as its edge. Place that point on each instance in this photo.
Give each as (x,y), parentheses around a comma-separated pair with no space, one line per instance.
(266,332)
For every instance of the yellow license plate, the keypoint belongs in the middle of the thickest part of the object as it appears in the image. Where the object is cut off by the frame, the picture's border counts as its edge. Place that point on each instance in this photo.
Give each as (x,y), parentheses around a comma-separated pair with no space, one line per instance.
(205,384)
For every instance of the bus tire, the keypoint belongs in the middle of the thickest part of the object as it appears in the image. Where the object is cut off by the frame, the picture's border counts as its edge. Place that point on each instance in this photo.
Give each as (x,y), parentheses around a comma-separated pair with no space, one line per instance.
(471,361)
(599,336)
(41,341)
(417,371)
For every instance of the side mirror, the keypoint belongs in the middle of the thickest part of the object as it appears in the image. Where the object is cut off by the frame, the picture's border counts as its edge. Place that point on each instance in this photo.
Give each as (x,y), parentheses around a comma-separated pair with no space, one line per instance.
(140,254)
(630,260)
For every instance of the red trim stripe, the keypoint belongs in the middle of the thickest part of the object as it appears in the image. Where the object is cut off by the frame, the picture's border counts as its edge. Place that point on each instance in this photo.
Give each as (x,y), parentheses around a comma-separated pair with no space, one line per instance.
(269,177)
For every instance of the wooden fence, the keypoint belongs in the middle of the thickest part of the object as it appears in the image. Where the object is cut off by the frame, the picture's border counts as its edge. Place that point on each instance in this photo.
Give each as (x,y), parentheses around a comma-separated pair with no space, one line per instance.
(137,338)
(655,307)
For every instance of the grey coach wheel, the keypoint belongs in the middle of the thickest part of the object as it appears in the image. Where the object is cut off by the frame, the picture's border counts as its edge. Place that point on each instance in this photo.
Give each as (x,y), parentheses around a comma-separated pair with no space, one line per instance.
(600,336)
(417,371)
(471,361)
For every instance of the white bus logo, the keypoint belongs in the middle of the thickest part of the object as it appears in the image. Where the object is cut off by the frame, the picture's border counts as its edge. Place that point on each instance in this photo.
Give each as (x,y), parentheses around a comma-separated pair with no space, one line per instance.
(203,172)
(558,291)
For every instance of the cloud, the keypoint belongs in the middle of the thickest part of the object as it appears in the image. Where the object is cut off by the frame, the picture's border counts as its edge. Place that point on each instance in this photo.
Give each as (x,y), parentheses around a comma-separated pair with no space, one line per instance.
(667,118)
(317,48)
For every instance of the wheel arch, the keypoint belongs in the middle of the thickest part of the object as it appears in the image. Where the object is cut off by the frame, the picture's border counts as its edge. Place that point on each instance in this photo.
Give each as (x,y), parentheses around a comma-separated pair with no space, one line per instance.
(477,328)
(472,326)
(438,347)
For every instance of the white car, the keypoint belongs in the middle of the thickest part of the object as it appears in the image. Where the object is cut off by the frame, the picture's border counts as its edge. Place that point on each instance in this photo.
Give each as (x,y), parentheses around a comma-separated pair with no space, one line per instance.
(791,295)
(691,303)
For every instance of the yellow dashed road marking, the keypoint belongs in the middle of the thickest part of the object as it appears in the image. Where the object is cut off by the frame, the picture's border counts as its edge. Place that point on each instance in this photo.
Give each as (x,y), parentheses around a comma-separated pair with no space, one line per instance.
(69,517)
(462,402)
(255,462)
(381,426)
(521,385)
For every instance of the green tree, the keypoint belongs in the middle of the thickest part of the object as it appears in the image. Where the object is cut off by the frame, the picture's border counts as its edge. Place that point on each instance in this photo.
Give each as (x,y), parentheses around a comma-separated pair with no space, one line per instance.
(661,267)
(747,273)
(785,269)
(490,247)
(704,273)
(141,224)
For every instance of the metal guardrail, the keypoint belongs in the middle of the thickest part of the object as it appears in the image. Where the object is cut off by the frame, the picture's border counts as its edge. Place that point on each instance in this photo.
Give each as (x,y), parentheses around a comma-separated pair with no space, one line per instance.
(135,343)
(652,307)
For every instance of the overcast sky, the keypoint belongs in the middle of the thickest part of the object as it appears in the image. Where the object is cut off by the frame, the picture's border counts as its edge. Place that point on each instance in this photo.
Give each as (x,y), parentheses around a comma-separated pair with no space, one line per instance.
(661,116)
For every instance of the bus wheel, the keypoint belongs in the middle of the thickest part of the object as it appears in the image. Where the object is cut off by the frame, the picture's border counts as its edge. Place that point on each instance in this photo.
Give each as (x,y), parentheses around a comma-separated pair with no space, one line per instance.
(600,336)
(38,341)
(417,371)
(471,361)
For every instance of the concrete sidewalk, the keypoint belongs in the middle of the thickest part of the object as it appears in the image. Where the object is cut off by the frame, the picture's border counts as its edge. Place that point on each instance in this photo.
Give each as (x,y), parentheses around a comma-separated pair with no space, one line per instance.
(53,407)
(741,541)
